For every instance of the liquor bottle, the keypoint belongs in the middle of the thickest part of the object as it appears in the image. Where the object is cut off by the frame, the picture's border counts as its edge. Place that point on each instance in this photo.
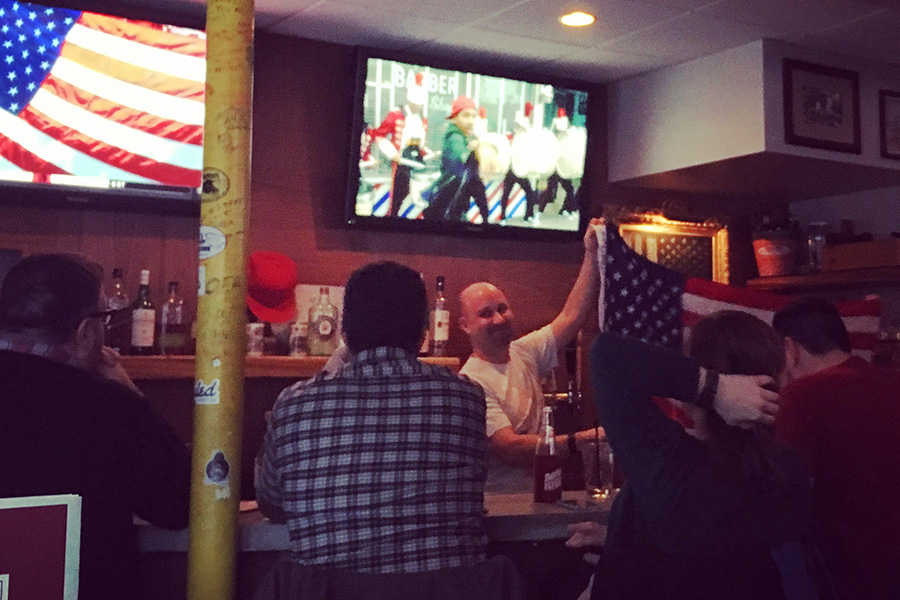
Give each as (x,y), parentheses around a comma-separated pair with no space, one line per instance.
(143,318)
(118,330)
(174,332)
(573,465)
(323,319)
(440,322)
(547,462)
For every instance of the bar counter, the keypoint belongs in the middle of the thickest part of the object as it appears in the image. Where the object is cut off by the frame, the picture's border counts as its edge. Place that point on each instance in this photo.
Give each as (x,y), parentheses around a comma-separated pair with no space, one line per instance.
(142,368)
(532,535)
(509,518)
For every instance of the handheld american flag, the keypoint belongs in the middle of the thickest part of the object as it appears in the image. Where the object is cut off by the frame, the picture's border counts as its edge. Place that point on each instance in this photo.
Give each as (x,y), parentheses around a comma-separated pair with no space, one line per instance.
(647,301)
(99,97)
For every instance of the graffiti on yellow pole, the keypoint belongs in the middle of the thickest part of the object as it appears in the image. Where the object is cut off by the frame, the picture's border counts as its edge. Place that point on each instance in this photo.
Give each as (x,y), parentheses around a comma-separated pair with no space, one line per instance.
(221,316)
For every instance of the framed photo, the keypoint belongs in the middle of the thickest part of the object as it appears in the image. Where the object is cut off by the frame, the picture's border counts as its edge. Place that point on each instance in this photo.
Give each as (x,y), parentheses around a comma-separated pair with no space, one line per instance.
(693,249)
(821,106)
(889,110)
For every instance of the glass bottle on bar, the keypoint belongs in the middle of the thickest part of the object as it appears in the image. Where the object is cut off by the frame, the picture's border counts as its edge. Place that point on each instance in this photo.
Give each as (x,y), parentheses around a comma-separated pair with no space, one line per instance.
(173,331)
(118,330)
(143,319)
(323,325)
(440,322)
(547,462)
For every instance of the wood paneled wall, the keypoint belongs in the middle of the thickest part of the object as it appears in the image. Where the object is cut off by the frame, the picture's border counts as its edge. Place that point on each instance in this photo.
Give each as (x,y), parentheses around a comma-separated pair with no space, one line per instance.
(303,95)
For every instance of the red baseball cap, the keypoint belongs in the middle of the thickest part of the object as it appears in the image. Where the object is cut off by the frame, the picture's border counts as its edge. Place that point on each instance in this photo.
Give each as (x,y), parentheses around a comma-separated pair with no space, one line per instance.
(460,104)
(271,279)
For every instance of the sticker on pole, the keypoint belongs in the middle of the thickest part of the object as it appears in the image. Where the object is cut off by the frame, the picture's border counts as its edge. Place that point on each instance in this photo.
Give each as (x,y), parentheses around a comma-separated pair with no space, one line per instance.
(212,242)
(206,393)
(215,474)
(215,184)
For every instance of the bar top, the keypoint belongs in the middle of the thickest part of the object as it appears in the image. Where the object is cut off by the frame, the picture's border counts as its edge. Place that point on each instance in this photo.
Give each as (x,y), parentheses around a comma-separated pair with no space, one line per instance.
(509,518)
(182,367)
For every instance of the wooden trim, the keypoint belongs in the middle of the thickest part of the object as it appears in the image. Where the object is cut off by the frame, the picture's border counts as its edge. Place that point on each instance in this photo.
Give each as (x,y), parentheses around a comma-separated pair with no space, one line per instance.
(829,280)
(182,367)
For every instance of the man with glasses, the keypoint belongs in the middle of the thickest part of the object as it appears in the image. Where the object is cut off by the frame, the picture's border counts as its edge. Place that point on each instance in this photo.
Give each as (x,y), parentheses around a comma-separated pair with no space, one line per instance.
(73,422)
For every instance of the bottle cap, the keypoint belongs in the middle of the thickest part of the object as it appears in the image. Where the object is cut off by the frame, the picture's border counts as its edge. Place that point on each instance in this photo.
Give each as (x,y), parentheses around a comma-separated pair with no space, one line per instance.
(117,272)
(145,276)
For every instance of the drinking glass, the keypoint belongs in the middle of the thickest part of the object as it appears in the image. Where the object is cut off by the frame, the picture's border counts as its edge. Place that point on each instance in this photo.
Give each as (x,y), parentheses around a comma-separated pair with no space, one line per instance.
(598,468)
(255,333)
(816,241)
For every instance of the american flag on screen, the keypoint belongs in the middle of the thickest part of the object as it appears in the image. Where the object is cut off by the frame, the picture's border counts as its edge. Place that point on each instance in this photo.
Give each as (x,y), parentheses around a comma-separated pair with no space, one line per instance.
(647,301)
(98,96)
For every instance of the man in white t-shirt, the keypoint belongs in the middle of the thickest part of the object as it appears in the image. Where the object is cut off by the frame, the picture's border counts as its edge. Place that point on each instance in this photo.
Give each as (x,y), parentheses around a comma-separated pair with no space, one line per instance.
(510,370)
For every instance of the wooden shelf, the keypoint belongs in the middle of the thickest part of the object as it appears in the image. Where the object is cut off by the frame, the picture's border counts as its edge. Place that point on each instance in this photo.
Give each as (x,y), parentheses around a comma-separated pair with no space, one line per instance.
(829,280)
(182,367)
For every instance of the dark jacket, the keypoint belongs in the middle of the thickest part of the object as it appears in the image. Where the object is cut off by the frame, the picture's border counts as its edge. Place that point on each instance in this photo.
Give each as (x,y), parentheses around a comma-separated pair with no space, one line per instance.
(681,527)
(66,431)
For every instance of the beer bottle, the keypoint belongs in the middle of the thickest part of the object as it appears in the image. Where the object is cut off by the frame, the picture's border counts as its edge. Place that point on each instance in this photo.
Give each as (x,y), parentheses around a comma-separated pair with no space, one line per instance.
(547,462)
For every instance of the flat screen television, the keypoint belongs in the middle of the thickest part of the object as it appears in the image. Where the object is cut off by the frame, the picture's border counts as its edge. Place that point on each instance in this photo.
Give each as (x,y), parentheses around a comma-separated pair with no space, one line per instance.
(100,110)
(445,149)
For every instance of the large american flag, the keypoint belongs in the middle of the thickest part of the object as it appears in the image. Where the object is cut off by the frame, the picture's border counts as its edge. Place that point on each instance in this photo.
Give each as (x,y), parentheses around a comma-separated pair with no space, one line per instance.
(101,97)
(647,301)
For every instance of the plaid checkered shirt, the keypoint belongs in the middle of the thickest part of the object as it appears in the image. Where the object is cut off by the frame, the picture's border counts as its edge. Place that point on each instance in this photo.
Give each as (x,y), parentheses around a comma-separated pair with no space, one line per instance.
(380,468)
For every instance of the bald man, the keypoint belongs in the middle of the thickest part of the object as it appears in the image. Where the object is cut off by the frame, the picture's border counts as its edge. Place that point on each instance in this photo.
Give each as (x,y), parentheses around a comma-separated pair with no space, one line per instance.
(510,370)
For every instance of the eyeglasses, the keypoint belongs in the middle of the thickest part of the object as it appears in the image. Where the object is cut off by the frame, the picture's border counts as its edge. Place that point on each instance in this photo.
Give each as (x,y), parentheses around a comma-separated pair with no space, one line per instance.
(105,316)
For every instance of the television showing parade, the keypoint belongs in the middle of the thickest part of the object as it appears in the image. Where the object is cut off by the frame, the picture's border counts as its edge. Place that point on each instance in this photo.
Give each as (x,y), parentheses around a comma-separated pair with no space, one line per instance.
(453,146)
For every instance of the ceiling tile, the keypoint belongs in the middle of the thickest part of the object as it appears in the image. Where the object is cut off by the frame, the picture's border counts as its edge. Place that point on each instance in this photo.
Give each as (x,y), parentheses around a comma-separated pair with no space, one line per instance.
(504,43)
(457,12)
(788,16)
(878,35)
(271,12)
(687,37)
(683,4)
(601,66)
(539,19)
(346,24)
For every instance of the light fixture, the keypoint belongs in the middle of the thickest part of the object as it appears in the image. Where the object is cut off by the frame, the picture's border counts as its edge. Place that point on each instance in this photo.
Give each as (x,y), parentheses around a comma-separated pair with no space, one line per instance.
(577,19)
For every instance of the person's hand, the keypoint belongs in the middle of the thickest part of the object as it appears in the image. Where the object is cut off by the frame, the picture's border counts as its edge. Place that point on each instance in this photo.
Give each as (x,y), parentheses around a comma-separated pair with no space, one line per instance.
(742,400)
(588,533)
(591,243)
(590,434)
(110,367)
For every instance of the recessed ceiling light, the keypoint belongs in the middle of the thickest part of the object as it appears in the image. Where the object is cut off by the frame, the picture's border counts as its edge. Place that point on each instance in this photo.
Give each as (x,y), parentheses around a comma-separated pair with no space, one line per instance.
(577,19)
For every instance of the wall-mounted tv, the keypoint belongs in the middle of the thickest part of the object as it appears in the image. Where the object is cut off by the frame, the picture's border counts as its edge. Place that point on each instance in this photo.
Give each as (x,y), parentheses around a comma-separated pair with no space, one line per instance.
(99,109)
(450,150)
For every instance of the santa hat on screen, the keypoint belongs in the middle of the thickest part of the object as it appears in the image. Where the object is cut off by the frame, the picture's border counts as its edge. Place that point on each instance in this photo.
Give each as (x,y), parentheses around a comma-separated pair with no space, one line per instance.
(415,91)
(561,122)
(271,278)
(460,104)
(523,117)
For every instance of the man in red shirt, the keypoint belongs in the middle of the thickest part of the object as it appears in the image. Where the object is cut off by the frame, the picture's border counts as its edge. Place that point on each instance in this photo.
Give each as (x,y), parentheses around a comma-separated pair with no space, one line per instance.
(842,415)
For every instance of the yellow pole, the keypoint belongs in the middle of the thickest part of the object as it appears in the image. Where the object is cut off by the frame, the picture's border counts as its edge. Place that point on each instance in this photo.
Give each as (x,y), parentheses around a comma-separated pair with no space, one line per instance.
(221,312)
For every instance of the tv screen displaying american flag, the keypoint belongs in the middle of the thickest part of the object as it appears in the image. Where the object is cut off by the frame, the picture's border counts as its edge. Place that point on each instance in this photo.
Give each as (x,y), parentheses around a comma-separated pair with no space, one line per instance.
(97,101)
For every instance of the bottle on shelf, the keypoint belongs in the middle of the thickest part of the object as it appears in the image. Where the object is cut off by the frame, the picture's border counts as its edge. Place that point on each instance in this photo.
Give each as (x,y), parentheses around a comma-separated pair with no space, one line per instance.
(118,330)
(547,462)
(143,318)
(174,332)
(440,322)
(322,329)
(299,339)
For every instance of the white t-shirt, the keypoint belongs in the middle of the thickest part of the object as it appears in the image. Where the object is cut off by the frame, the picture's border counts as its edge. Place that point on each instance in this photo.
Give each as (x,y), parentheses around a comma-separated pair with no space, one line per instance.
(514,399)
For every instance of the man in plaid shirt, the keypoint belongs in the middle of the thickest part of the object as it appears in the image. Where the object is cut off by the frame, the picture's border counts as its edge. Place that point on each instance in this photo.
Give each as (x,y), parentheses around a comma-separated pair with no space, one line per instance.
(380,467)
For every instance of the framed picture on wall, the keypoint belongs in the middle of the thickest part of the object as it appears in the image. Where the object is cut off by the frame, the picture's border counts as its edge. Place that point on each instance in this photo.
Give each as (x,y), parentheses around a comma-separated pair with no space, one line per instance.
(693,249)
(889,111)
(821,107)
